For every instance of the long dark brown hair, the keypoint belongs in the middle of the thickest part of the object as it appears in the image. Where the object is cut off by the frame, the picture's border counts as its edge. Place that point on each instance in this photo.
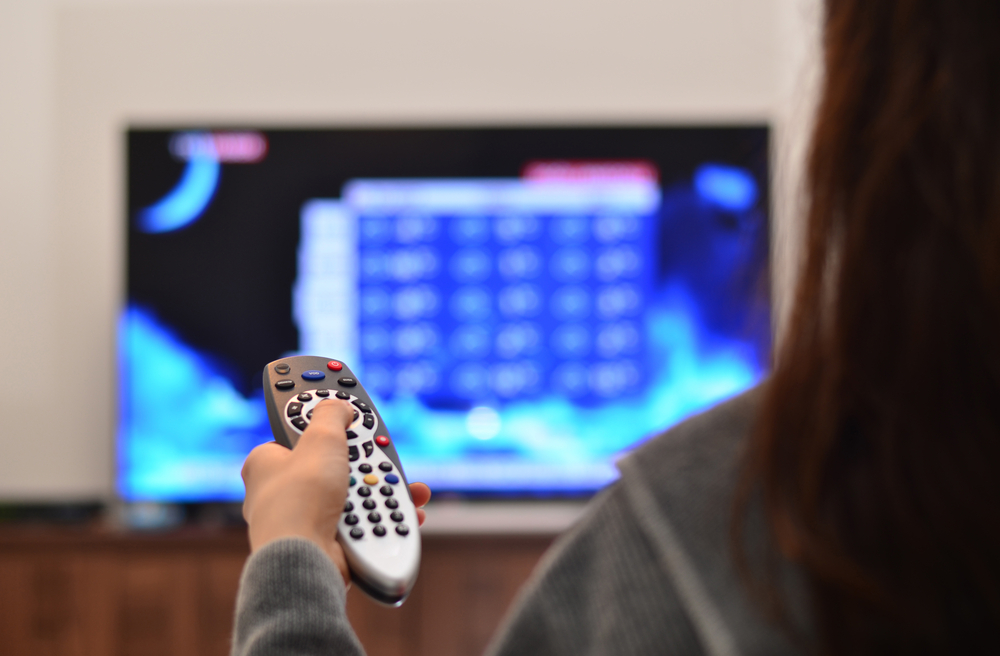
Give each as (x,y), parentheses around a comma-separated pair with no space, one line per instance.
(876,456)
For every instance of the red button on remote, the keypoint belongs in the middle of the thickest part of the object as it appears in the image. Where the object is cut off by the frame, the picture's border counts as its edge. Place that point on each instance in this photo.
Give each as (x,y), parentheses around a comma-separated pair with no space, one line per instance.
(333,365)
(382,440)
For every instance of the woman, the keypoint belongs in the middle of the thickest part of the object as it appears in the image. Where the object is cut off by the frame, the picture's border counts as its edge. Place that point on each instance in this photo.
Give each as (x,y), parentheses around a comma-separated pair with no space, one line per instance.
(848,506)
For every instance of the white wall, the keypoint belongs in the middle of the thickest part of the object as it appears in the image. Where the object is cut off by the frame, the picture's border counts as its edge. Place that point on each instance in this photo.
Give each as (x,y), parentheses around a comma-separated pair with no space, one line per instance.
(75,73)
(29,439)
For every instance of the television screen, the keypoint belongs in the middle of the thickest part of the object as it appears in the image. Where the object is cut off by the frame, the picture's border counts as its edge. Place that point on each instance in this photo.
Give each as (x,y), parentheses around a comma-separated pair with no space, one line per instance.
(524,305)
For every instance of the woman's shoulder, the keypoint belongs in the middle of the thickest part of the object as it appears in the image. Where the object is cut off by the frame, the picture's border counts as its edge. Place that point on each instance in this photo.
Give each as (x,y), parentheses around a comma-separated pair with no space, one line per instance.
(681,488)
(701,449)
(648,567)
(687,476)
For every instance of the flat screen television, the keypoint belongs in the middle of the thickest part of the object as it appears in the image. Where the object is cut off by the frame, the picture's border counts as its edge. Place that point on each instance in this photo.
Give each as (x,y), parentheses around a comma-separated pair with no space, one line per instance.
(524,304)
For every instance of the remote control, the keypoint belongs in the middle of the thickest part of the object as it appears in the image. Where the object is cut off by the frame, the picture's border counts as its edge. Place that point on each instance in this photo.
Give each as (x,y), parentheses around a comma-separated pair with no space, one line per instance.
(378,529)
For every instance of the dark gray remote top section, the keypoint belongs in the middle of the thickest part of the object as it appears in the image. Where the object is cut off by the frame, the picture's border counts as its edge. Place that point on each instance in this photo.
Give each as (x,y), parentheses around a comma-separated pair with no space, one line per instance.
(294,385)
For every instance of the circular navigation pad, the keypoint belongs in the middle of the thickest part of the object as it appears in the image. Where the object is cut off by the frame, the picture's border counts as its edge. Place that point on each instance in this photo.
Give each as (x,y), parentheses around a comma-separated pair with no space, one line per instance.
(298,413)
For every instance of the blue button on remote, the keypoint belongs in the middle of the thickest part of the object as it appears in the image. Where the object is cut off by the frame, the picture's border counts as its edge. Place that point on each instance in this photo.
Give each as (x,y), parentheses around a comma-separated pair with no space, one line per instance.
(313,374)
(391,478)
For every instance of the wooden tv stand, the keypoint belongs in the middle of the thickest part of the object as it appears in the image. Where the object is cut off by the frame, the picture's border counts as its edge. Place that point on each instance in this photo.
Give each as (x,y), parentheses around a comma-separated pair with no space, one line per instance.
(94,591)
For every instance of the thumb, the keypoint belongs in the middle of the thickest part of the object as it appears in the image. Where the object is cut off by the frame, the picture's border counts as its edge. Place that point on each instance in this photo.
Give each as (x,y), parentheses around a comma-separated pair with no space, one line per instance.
(330,420)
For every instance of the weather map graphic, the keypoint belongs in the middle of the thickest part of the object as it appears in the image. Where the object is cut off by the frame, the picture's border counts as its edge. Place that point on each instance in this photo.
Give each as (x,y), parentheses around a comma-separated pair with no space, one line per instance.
(533,301)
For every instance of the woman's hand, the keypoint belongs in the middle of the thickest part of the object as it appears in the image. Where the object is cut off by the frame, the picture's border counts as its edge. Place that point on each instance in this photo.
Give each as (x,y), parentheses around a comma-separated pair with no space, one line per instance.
(301,492)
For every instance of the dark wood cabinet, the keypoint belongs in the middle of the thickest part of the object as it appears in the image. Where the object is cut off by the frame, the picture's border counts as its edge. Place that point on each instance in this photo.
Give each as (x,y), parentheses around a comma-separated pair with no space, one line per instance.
(93,592)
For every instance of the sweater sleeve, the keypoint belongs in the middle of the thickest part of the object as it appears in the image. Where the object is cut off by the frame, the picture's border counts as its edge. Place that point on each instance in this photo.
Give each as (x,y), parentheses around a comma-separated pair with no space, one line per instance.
(599,590)
(291,602)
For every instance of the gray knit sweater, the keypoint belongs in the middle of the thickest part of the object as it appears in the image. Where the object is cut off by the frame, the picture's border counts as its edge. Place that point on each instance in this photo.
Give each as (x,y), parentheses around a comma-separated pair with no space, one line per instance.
(648,570)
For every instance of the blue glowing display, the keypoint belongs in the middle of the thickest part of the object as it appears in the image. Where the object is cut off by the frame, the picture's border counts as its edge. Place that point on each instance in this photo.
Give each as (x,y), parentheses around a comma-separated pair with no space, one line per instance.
(517,336)
(185,429)
(185,202)
(728,187)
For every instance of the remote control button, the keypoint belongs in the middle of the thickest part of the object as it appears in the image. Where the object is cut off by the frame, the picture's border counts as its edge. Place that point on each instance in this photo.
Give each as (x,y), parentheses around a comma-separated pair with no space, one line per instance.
(368,421)
(391,504)
(378,530)
(352,453)
(323,393)
(362,406)
(285,384)
(294,409)
(386,491)
(351,519)
(309,415)
(402,529)
(382,440)
(357,533)
(353,482)
(391,478)
(305,397)
(371,479)
(347,382)
(396,516)
(364,491)
(355,416)
(374,517)
(313,374)
(369,449)
(385,466)
(300,423)
(282,368)
(333,365)
(365,468)
(369,504)
(341,394)
(351,435)
(348,507)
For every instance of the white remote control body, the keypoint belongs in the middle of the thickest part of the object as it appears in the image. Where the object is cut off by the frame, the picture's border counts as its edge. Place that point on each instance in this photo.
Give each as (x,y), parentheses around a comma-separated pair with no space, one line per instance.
(378,528)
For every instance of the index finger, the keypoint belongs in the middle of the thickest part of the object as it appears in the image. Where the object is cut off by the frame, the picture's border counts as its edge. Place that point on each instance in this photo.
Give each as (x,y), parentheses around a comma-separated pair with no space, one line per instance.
(421,494)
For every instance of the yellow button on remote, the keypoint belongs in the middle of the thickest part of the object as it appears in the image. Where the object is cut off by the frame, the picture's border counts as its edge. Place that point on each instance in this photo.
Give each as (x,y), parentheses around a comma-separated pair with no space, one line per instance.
(371,479)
